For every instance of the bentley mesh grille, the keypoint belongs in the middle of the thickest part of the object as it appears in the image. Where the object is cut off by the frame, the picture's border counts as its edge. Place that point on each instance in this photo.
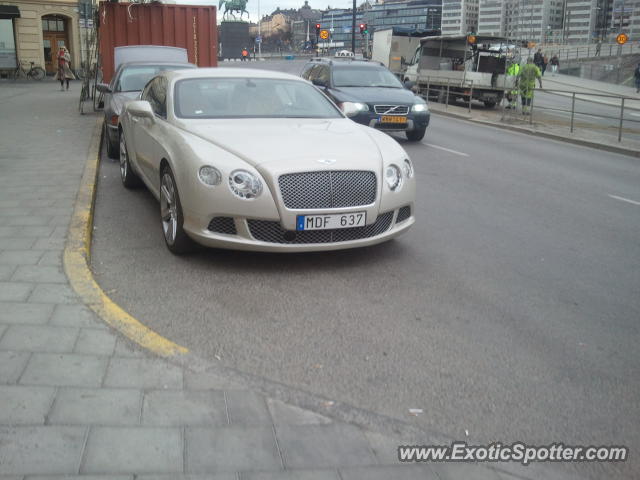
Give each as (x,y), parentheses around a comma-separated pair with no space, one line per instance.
(223,225)
(272,232)
(391,109)
(328,189)
(403,214)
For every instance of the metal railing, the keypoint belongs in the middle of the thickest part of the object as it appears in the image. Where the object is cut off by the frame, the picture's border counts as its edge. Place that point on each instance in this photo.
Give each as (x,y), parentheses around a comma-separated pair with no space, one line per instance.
(442,87)
(619,103)
(565,52)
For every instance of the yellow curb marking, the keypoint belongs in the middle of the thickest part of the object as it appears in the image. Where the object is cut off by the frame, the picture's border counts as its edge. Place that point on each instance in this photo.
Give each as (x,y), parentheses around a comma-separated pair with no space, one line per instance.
(77,256)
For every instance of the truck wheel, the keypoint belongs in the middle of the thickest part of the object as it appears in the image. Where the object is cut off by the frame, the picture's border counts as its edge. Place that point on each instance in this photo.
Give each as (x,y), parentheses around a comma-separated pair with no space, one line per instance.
(416,135)
(489,104)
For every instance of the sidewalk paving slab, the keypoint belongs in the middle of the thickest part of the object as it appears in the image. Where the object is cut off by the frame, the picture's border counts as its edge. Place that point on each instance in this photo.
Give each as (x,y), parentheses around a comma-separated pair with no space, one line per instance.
(41,450)
(133,449)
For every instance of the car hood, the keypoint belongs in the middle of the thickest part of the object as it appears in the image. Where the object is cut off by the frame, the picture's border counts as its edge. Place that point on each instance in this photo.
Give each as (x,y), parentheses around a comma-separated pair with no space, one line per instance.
(119,99)
(377,95)
(292,144)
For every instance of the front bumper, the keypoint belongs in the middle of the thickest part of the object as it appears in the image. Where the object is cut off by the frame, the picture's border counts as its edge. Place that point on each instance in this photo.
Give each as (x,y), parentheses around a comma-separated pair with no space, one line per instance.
(415,121)
(269,236)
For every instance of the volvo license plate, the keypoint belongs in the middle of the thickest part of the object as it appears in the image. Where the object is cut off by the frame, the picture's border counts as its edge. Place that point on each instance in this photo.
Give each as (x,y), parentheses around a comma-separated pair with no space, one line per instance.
(328,222)
(392,119)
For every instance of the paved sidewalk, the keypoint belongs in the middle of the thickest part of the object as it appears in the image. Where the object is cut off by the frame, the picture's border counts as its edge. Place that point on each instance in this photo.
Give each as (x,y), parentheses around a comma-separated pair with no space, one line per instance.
(576,84)
(77,401)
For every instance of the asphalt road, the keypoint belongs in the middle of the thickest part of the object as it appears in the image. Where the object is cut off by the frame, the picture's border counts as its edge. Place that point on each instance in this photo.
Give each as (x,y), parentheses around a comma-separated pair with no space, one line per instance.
(509,312)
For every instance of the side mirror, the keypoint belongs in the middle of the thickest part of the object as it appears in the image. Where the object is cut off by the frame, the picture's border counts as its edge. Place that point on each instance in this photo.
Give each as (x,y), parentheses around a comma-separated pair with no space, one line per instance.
(140,108)
(409,85)
(103,87)
(319,83)
(351,109)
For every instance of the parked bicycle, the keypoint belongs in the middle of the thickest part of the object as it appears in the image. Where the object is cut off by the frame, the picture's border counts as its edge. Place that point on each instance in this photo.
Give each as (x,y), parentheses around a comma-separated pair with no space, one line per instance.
(35,73)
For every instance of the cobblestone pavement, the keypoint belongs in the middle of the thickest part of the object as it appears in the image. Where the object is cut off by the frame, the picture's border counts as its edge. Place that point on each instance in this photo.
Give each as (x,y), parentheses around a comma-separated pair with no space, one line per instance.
(77,401)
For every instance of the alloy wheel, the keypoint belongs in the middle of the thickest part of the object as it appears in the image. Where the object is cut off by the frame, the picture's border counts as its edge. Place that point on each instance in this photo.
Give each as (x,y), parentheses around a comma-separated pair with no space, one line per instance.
(168,208)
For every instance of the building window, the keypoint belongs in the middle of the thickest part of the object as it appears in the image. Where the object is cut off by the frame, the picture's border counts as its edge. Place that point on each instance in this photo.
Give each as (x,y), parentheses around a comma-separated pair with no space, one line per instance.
(7,44)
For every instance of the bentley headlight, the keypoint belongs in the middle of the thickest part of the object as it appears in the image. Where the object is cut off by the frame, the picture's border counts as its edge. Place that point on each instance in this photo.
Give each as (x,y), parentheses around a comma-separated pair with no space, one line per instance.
(408,168)
(393,176)
(245,184)
(209,175)
(419,107)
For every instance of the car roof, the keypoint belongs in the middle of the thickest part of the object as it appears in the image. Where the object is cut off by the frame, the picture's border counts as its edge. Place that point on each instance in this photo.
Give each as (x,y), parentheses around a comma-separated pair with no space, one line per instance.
(182,64)
(228,72)
(343,62)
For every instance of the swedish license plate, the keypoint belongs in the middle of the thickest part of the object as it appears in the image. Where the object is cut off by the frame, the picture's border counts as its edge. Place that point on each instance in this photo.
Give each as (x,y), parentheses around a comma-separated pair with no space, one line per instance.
(328,222)
(392,119)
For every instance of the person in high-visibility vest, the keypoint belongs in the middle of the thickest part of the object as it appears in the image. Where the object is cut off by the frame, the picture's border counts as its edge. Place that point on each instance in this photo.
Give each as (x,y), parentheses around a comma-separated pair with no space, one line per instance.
(527,84)
(245,54)
(512,95)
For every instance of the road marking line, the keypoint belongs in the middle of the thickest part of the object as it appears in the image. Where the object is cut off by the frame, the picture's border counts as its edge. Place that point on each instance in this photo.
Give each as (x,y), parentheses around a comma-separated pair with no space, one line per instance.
(455,152)
(77,255)
(622,199)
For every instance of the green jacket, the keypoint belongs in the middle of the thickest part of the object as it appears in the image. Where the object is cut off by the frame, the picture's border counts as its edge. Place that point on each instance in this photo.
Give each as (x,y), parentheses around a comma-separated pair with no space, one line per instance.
(527,79)
(513,70)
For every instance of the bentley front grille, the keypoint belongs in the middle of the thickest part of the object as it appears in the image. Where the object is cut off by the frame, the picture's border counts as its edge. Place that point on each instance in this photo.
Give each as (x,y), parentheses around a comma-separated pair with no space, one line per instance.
(328,189)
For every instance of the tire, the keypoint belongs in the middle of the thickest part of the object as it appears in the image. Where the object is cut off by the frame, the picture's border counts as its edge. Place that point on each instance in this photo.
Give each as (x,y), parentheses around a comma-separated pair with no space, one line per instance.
(38,73)
(112,151)
(129,179)
(171,217)
(489,104)
(416,135)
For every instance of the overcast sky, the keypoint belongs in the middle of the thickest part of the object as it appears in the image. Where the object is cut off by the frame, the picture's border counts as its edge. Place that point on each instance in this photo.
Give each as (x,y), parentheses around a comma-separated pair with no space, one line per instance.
(268,6)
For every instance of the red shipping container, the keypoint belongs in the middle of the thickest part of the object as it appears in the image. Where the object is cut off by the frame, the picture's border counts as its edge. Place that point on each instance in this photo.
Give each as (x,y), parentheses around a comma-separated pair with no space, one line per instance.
(187,26)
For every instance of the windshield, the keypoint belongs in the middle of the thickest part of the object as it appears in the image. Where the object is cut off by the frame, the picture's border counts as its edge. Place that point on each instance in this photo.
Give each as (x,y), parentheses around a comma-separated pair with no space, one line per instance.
(365,77)
(250,98)
(135,77)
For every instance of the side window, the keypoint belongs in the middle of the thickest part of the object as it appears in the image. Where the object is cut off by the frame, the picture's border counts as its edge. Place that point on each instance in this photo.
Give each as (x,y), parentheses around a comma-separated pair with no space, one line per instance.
(323,74)
(160,94)
(307,72)
(146,92)
(156,94)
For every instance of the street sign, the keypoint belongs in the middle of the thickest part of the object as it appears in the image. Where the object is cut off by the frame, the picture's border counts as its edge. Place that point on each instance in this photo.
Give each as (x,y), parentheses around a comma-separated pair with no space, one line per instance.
(622,38)
(258,39)
(324,34)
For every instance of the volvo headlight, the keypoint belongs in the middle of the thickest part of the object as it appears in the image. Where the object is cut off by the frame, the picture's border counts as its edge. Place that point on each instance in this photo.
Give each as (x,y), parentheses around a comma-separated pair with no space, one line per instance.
(393,177)
(408,168)
(419,107)
(245,184)
(209,175)
(351,109)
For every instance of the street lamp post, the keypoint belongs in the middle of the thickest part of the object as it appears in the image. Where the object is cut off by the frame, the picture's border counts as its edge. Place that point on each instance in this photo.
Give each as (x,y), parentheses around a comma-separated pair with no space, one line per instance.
(353,29)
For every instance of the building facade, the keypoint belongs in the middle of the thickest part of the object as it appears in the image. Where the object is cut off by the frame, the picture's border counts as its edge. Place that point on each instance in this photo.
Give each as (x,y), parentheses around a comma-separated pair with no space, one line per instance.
(33,31)
(419,14)
(459,17)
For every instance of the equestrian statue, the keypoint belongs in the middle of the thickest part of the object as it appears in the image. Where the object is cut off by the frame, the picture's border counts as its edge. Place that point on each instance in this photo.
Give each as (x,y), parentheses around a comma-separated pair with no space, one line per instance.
(231,6)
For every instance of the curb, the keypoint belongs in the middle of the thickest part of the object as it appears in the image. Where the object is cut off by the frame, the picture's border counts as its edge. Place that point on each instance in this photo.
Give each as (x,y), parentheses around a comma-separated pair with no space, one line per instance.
(77,256)
(552,136)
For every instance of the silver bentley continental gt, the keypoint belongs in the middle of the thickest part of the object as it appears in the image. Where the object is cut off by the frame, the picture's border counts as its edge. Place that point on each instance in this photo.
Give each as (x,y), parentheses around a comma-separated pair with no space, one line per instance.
(257,160)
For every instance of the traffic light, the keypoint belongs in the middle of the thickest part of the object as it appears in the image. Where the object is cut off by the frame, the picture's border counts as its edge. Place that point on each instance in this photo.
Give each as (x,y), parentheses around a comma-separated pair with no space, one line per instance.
(363,28)
(317,29)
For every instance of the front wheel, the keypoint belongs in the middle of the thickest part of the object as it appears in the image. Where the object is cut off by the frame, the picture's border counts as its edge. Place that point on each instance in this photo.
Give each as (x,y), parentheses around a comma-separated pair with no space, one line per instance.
(416,135)
(129,178)
(112,151)
(177,241)
(38,73)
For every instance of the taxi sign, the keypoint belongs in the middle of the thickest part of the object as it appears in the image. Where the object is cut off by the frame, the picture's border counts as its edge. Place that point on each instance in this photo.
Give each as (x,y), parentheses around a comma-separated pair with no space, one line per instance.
(324,34)
(622,38)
